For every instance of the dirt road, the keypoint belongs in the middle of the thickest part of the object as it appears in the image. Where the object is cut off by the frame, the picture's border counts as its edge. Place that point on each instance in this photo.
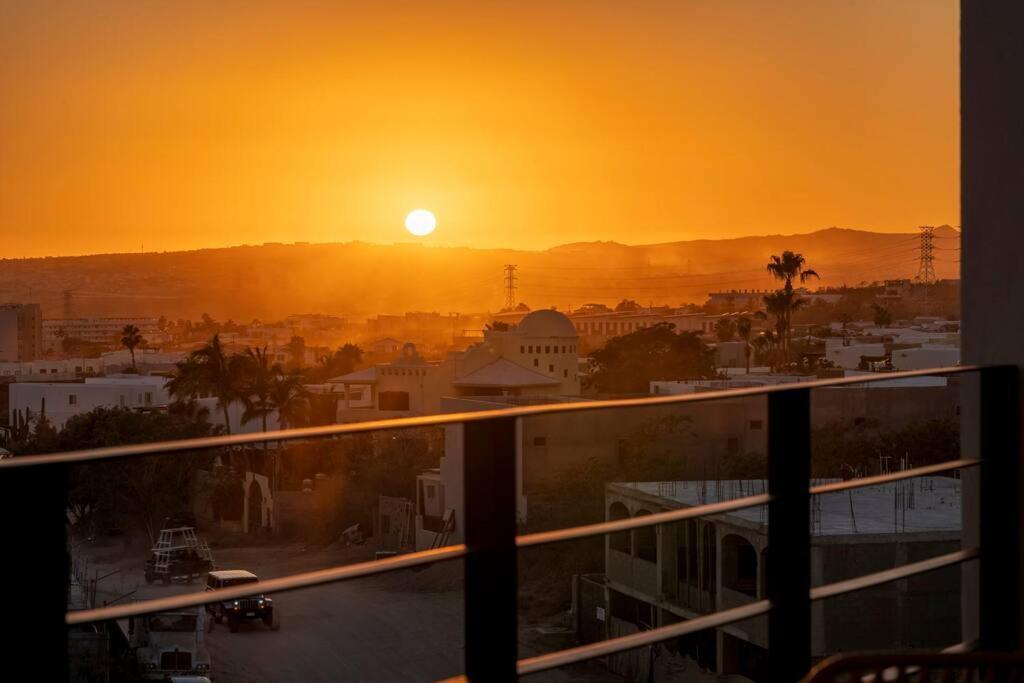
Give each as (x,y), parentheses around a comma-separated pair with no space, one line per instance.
(406,626)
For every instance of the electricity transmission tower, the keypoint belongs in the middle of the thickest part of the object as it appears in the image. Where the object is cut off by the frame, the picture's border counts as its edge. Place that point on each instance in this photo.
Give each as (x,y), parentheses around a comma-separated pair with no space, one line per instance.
(510,285)
(926,267)
(926,259)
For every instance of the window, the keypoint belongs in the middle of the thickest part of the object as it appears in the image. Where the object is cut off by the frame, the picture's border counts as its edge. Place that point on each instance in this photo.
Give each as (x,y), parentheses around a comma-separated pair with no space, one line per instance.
(530,347)
(565,373)
(122,401)
(540,441)
(431,492)
(149,398)
(620,541)
(756,424)
(732,445)
(551,368)
(547,349)
(72,399)
(522,349)
(646,540)
(536,362)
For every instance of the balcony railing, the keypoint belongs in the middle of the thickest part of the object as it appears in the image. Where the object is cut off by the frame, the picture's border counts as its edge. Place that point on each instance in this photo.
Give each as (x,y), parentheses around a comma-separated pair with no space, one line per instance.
(35,488)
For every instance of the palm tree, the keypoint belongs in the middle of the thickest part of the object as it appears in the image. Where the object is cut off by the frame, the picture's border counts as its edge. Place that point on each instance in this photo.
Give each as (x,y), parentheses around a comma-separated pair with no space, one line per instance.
(743,330)
(131,337)
(258,375)
(207,370)
(291,401)
(787,268)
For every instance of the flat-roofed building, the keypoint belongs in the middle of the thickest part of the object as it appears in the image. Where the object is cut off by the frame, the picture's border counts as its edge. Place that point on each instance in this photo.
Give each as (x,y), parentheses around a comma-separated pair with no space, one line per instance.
(21,335)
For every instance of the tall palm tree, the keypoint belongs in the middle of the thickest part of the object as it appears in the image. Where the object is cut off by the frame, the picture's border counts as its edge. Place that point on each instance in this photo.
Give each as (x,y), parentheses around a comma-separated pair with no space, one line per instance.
(786,268)
(207,370)
(291,401)
(743,331)
(257,374)
(131,337)
(790,266)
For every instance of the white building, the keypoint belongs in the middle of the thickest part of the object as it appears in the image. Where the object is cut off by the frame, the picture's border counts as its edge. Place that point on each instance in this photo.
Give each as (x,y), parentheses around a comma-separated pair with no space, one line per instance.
(94,330)
(20,332)
(60,401)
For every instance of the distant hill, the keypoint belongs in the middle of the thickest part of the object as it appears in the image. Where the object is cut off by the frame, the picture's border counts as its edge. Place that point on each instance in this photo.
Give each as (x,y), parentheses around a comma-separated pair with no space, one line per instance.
(270,281)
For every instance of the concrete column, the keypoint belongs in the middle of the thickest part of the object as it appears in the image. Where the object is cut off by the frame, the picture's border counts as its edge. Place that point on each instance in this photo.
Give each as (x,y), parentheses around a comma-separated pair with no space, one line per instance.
(992,216)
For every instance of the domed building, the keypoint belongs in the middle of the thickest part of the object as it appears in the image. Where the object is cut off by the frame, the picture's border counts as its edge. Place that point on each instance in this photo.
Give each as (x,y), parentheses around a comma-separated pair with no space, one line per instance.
(538,356)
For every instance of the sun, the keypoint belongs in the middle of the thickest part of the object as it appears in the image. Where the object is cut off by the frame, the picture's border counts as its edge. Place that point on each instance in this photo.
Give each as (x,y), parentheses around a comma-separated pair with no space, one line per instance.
(420,222)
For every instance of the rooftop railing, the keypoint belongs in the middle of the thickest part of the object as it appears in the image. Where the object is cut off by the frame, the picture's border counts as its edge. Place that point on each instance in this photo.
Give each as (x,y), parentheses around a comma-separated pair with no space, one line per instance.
(34,488)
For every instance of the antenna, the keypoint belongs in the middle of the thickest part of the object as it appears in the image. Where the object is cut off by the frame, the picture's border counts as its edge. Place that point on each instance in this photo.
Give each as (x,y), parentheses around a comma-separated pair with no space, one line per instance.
(510,285)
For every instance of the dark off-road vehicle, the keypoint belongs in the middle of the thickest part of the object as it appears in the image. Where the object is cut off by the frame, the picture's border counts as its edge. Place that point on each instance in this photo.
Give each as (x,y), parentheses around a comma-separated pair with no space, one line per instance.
(236,611)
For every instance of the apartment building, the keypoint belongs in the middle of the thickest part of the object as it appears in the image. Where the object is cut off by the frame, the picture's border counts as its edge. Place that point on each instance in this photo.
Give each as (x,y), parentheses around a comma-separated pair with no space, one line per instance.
(21,332)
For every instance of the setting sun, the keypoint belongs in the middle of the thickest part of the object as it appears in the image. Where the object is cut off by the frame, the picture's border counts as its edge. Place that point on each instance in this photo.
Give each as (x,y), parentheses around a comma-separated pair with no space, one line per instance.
(420,222)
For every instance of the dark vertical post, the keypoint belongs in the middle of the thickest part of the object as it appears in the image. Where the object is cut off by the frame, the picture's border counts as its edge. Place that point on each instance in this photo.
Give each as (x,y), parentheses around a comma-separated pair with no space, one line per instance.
(34,570)
(992,239)
(489,489)
(788,570)
(1000,594)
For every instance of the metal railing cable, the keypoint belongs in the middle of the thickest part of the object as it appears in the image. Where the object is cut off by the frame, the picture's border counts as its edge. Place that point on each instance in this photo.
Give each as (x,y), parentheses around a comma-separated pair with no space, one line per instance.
(730,616)
(407,561)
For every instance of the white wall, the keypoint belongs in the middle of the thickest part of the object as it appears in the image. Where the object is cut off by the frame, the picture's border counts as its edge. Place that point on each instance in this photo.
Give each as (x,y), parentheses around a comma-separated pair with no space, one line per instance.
(61,401)
(925,357)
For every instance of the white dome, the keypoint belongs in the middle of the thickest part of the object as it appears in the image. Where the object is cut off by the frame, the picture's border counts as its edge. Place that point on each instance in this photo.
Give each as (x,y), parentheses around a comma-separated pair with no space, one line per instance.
(547,323)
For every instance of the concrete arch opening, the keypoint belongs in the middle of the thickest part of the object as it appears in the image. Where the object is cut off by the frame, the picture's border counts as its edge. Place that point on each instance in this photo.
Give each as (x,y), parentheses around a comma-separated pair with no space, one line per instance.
(739,565)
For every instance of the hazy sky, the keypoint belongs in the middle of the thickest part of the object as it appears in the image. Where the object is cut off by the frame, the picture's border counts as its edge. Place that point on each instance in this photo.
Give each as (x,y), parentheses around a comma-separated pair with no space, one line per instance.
(180,124)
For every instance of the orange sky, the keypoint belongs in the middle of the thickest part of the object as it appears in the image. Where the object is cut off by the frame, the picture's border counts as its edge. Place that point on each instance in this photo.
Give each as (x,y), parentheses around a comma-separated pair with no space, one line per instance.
(179,124)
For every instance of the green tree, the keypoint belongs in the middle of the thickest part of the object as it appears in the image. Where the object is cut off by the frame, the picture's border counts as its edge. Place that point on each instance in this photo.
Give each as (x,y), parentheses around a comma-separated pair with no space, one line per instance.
(343,361)
(881,315)
(131,338)
(629,363)
(627,305)
(127,492)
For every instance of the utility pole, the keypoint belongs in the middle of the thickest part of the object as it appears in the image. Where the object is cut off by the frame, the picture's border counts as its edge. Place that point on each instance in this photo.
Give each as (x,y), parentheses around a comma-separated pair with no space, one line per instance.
(926,262)
(510,285)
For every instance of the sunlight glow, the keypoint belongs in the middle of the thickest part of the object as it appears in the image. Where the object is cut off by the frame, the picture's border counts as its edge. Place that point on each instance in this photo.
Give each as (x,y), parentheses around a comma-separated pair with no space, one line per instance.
(420,222)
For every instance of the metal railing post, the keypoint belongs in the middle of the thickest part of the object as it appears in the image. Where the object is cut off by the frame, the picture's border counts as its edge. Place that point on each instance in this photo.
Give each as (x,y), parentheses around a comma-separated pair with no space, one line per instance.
(788,568)
(35,569)
(489,492)
(1000,593)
